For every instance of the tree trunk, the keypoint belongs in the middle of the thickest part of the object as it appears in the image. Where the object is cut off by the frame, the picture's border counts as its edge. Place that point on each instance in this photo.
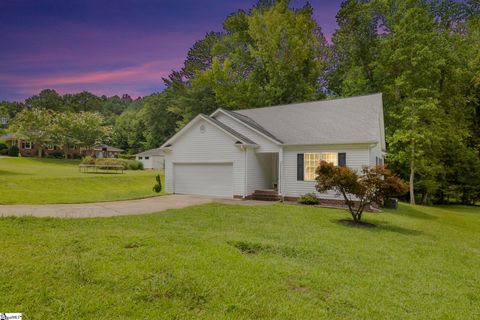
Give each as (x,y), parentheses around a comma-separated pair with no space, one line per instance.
(412,173)
(424,198)
(40,152)
(65,151)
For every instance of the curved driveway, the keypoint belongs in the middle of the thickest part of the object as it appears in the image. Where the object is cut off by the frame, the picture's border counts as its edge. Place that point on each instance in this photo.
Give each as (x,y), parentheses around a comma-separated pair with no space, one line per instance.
(105,209)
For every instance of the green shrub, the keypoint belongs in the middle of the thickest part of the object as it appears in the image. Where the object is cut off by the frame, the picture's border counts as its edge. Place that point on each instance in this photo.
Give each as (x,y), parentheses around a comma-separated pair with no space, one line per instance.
(135,165)
(127,164)
(13,151)
(3,146)
(308,198)
(56,154)
(88,160)
(158,186)
(126,156)
(131,164)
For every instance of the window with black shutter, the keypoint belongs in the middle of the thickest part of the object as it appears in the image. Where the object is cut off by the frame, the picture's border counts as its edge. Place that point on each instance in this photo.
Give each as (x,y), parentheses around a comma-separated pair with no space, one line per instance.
(342,159)
(300,166)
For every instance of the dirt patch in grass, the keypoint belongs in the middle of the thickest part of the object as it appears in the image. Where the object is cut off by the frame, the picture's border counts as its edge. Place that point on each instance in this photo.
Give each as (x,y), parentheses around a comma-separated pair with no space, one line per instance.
(251,248)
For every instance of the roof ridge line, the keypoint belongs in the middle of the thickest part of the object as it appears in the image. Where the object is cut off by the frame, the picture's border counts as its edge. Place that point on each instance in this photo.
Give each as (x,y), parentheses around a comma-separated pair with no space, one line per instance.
(306,102)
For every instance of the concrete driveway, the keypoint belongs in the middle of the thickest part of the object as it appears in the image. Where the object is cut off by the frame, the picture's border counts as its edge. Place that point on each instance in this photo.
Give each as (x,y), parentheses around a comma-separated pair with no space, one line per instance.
(106,209)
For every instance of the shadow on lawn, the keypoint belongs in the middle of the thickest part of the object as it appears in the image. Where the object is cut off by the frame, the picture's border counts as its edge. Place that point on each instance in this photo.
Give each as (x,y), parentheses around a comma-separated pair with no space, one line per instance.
(378,226)
(413,213)
(12,173)
(397,229)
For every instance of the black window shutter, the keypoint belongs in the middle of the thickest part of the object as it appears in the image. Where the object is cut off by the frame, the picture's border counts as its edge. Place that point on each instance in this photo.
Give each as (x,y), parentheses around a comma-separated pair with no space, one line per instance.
(342,159)
(300,166)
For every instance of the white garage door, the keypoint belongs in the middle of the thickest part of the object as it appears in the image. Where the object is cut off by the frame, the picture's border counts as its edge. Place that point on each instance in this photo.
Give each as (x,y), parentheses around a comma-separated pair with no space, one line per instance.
(212,179)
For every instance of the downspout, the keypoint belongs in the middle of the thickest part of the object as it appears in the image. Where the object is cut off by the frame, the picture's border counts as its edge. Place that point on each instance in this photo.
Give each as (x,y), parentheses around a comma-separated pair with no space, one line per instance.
(280,173)
(245,167)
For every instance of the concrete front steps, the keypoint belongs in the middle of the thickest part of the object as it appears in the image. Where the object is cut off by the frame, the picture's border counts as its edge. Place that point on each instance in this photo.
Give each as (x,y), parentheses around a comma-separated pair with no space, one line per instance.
(266,195)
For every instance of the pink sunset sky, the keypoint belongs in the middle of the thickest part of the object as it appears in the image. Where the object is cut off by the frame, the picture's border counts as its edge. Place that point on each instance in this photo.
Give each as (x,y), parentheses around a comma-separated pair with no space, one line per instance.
(109,47)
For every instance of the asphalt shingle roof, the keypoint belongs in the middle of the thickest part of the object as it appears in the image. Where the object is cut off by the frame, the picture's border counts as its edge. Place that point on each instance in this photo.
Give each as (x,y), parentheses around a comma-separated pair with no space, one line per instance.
(336,121)
(236,134)
(151,152)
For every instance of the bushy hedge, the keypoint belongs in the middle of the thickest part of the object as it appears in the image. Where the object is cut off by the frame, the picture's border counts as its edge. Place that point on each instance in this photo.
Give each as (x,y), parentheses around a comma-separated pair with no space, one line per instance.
(13,151)
(308,198)
(127,164)
(88,160)
(3,149)
(56,154)
(132,164)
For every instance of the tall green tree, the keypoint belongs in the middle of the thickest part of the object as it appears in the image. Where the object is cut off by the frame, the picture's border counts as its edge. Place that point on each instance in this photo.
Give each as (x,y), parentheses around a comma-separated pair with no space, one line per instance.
(419,54)
(83,101)
(34,125)
(63,129)
(271,55)
(89,129)
(355,48)
(47,99)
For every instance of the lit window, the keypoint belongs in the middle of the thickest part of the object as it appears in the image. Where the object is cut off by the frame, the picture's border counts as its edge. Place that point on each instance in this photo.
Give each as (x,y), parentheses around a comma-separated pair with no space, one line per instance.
(330,157)
(311,162)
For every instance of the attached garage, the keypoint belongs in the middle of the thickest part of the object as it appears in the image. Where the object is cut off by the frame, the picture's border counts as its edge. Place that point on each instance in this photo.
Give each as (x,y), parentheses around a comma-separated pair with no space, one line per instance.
(212,179)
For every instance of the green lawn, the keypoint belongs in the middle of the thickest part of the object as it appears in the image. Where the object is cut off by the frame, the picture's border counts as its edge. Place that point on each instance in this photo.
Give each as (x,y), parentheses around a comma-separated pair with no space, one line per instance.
(221,261)
(34,181)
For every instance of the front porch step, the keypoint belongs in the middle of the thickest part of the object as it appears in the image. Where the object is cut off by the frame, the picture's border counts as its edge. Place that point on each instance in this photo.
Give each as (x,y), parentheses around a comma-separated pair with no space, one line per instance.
(266,195)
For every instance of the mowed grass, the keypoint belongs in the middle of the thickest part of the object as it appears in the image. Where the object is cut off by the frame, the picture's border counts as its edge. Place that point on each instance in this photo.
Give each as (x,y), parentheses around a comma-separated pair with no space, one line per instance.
(39,181)
(222,261)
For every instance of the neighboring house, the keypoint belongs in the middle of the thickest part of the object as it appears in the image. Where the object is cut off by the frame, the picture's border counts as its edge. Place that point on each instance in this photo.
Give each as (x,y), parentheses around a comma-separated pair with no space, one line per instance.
(29,149)
(152,159)
(103,151)
(273,151)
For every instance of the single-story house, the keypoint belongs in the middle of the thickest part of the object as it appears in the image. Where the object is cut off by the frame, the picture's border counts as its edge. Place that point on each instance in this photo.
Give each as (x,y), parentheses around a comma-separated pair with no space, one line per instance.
(29,149)
(152,159)
(273,151)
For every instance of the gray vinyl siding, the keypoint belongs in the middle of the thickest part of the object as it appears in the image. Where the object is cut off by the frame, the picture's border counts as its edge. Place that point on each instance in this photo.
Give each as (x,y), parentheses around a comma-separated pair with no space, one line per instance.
(375,152)
(265,144)
(357,157)
(210,146)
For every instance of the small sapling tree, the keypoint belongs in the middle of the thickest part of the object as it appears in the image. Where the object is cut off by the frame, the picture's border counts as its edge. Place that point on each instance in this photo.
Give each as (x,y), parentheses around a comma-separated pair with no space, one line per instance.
(370,186)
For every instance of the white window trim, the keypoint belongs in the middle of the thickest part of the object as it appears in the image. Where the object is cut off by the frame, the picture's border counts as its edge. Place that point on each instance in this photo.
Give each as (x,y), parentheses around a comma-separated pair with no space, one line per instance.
(28,145)
(310,164)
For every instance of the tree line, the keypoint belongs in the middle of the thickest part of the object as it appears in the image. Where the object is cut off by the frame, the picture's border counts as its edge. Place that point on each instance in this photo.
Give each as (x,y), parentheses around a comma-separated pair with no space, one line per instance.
(424,56)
